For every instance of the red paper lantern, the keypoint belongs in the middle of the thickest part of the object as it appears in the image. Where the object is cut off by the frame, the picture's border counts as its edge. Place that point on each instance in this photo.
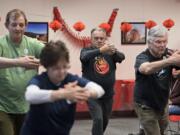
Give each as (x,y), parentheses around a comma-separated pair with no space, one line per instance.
(55,25)
(125,27)
(149,24)
(79,26)
(168,23)
(105,26)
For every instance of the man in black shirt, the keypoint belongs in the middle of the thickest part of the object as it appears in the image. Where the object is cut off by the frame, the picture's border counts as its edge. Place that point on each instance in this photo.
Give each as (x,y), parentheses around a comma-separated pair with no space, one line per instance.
(153,70)
(99,65)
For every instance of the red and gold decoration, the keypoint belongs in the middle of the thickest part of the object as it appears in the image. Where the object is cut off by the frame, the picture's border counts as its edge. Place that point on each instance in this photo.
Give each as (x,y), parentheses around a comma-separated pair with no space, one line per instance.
(81,41)
(111,20)
(55,25)
(105,26)
(149,24)
(79,26)
(101,66)
(168,23)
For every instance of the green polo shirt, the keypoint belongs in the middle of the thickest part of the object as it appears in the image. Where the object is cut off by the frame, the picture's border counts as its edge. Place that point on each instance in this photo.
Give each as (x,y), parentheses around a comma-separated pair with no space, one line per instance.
(13,80)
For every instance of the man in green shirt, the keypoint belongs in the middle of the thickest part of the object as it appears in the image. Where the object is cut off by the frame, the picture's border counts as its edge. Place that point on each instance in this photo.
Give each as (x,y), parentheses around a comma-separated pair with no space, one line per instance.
(18,64)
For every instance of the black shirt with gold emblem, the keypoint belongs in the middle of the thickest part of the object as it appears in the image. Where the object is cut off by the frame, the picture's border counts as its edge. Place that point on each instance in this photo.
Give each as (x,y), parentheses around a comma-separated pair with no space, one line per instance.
(100,67)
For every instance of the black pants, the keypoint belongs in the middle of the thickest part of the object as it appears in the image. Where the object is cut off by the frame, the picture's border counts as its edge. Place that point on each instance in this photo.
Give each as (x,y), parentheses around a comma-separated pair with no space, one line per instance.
(100,110)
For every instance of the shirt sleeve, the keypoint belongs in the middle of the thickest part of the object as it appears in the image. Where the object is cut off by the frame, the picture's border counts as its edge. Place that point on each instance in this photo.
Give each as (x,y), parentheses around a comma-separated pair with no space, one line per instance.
(87,54)
(1,50)
(81,81)
(140,59)
(34,81)
(118,57)
(94,87)
(35,95)
(91,86)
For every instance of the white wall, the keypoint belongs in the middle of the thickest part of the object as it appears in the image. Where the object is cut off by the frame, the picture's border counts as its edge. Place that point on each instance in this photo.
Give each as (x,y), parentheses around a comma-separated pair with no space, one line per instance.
(94,12)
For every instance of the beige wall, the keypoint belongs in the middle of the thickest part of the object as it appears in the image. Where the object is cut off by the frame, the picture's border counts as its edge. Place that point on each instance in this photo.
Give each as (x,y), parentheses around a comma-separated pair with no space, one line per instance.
(94,12)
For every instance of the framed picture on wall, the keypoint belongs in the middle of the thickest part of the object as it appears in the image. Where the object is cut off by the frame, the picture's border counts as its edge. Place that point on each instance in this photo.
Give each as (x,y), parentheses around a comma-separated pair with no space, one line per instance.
(137,35)
(38,30)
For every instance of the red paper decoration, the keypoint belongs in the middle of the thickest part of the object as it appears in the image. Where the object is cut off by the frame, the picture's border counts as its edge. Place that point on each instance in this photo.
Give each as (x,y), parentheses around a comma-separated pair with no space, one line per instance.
(105,26)
(111,20)
(125,27)
(78,40)
(55,25)
(79,26)
(149,24)
(168,23)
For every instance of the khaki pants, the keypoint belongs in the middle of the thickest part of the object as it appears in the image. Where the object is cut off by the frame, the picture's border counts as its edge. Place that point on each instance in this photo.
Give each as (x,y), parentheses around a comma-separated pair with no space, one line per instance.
(10,124)
(153,122)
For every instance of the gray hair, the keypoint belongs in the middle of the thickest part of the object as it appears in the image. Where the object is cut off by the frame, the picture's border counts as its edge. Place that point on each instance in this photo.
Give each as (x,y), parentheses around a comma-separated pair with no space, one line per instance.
(156,31)
(98,29)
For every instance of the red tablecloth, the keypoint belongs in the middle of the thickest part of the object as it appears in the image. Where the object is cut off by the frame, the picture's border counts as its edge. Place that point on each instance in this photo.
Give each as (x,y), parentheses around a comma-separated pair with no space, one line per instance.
(123,98)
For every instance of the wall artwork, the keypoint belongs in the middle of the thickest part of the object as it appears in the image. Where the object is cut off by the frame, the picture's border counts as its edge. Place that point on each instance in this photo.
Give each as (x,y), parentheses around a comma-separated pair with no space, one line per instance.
(137,35)
(37,30)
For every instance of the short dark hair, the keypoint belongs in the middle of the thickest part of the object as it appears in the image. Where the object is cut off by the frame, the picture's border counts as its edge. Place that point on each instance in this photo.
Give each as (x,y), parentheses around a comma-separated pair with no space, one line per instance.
(53,52)
(15,13)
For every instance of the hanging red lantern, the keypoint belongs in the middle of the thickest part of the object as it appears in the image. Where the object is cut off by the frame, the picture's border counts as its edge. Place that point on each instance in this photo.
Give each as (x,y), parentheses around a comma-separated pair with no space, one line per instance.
(149,24)
(55,25)
(168,23)
(105,26)
(125,27)
(79,26)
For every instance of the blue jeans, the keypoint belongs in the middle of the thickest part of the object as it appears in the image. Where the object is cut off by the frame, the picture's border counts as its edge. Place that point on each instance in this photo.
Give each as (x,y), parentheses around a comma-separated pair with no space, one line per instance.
(100,111)
(174,109)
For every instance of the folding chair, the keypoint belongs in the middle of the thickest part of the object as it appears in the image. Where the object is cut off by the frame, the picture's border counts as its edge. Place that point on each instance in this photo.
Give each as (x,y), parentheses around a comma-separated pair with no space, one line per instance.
(176,119)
